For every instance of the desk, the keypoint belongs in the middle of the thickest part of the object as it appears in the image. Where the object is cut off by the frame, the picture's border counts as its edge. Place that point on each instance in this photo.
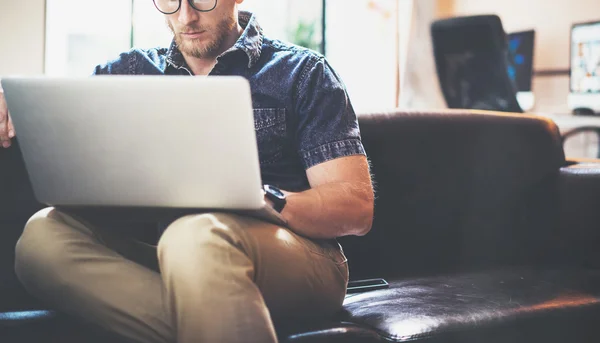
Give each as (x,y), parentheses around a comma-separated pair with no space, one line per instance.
(566,122)
(584,145)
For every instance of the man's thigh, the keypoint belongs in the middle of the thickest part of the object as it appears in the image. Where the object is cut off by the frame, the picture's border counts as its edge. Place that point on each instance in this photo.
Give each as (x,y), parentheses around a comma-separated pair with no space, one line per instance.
(297,276)
(93,275)
(57,237)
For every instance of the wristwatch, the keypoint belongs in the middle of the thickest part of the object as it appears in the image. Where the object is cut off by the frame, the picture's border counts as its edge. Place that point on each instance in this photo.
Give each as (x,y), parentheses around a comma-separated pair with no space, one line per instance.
(276,196)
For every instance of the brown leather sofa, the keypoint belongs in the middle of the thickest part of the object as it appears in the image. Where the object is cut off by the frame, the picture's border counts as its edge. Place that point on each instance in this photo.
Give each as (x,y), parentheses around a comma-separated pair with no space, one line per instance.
(482,228)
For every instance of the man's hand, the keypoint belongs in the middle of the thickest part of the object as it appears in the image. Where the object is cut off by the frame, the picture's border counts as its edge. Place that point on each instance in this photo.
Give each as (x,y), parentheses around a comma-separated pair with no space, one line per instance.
(7,131)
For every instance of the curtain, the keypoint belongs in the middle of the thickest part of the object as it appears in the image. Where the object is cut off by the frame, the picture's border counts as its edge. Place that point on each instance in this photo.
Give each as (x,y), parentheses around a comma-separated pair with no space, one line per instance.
(420,88)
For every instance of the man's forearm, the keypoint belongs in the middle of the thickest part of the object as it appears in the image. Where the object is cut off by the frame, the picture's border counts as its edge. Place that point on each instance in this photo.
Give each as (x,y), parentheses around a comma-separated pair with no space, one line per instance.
(331,210)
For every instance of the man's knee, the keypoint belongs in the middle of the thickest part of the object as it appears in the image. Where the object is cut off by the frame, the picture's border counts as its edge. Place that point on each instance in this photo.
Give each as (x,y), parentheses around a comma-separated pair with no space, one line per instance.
(37,253)
(191,235)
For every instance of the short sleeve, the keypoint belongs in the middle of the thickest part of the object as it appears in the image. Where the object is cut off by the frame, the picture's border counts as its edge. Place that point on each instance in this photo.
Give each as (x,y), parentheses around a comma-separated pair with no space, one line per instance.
(327,124)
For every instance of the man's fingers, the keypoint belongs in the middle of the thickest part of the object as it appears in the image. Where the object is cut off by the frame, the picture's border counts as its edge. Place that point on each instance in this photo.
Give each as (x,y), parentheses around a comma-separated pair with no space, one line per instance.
(4,123)
(3,126)
(4,135)
(11,128)
(3,112)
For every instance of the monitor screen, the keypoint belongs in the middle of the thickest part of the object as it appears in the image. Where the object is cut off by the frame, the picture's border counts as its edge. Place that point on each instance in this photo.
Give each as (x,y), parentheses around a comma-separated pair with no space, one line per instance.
(520,66)
(585,58)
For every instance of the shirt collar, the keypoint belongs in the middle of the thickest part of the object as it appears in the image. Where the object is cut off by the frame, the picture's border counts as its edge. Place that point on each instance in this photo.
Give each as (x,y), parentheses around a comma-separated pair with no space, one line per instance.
(250,42)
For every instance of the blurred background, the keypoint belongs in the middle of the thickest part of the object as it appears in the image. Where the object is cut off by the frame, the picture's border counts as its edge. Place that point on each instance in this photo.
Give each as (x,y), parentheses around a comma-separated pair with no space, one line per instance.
(382,49)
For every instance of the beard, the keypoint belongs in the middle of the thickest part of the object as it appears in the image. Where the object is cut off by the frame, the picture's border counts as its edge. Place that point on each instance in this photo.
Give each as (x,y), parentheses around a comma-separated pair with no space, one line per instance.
(204,48)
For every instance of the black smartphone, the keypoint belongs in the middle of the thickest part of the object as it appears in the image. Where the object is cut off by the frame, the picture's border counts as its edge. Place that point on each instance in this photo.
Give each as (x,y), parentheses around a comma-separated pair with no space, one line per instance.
(366,285)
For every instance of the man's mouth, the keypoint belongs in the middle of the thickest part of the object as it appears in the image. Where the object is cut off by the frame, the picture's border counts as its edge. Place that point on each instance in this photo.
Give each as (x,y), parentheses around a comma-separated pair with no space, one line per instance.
(193,35)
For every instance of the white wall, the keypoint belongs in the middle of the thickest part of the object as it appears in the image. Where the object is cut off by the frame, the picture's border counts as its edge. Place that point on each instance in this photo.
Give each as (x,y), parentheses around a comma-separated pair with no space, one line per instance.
(275,16)
(22,36)
(552,21)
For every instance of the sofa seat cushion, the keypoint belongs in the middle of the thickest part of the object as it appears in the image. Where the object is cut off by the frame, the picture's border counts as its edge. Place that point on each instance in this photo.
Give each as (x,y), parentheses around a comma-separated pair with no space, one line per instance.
(517,305)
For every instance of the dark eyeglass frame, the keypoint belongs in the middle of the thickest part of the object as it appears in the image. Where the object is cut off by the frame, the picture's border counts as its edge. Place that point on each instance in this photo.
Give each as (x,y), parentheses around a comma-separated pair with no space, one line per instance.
(191,2)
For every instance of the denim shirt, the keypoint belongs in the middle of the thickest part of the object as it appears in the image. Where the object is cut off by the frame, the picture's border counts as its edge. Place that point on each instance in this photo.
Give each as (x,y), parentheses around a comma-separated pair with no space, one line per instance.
(302,114)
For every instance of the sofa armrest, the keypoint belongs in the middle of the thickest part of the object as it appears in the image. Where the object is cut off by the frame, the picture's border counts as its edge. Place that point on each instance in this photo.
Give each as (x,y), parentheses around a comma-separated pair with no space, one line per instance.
(16,195)
(579,197)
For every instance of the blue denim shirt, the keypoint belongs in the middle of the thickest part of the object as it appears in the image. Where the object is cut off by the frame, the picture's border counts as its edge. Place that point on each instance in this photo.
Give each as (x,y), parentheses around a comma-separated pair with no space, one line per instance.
(302,113)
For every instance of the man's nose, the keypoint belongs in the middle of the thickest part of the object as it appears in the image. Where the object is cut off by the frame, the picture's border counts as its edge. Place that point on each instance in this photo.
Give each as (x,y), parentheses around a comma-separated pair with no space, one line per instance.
(187,14)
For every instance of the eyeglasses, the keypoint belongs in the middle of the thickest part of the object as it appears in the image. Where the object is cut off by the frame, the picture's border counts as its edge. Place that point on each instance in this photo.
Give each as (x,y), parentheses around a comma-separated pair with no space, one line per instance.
(172,6)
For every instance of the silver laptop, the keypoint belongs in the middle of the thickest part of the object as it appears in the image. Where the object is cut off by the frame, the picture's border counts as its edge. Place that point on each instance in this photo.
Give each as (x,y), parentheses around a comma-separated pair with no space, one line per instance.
(139,142)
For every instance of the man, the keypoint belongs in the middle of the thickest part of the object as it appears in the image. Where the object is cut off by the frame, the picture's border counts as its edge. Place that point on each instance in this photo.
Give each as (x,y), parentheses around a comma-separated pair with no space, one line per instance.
(215,277)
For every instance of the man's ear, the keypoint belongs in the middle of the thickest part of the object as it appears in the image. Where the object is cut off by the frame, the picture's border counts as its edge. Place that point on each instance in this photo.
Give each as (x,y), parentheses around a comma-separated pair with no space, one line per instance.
(239,2)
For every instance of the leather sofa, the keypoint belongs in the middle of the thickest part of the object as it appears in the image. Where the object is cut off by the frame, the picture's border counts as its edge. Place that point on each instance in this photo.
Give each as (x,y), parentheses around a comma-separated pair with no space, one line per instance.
(485,232)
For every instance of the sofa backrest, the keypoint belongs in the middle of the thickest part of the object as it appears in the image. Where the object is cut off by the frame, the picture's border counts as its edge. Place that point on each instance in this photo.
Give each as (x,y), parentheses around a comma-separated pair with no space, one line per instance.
(457,190)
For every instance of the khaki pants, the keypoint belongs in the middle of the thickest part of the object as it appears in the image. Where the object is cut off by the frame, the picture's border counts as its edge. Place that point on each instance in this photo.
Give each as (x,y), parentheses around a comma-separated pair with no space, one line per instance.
(212,277)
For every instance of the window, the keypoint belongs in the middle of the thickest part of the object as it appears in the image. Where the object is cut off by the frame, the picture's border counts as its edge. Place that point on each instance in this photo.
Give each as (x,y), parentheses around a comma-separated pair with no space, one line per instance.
(363,45)
(77,41)
(149,27)
(295,21)
(364,39)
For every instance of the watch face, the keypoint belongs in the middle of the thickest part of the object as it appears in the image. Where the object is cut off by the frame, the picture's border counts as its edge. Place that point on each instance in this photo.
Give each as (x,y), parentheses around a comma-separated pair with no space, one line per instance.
(276,196)
(275,191)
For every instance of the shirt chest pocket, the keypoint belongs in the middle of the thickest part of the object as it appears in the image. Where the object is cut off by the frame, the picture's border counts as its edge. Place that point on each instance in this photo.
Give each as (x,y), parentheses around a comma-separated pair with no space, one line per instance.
(270,127)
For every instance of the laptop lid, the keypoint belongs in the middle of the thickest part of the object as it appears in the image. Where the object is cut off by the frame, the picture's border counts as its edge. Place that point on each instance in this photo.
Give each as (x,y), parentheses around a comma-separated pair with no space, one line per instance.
(138,141)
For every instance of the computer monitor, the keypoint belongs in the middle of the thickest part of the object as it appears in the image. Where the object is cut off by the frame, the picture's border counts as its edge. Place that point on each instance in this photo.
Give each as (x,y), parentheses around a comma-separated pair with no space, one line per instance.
(585,66)
(520,66)
(520,70)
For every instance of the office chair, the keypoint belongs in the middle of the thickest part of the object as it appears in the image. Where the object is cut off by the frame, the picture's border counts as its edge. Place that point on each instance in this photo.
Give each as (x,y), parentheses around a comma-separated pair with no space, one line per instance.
(471,56)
